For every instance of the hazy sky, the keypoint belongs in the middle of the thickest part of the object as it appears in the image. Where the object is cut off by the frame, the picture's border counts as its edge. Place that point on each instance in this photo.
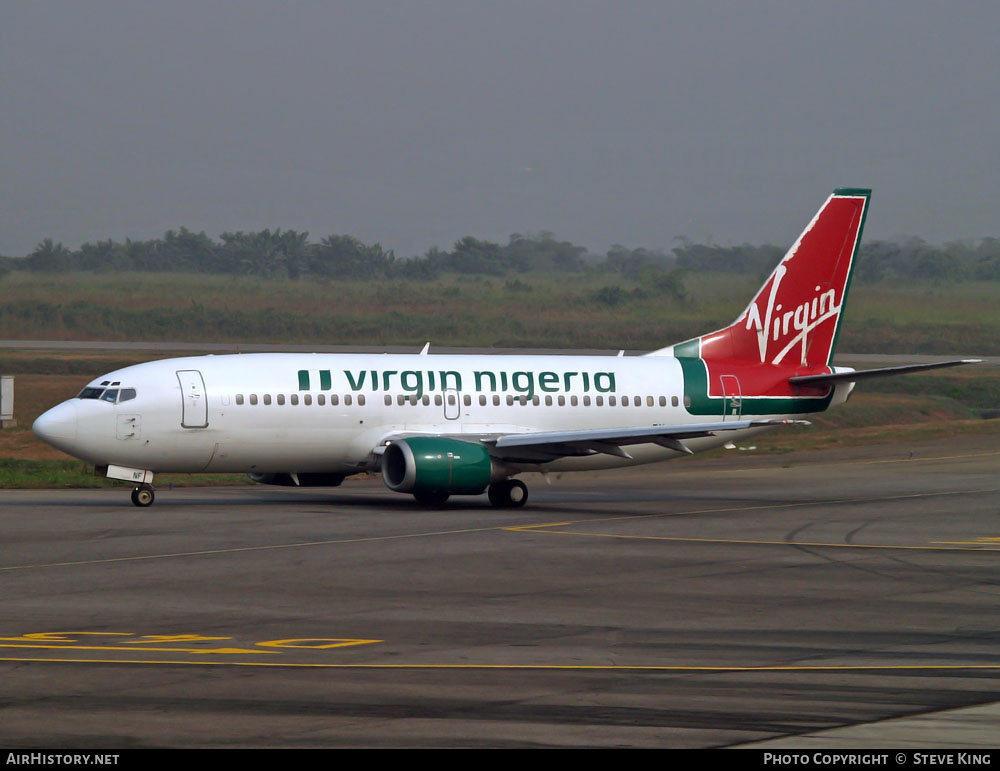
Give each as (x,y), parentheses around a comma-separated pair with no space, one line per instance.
(415,123)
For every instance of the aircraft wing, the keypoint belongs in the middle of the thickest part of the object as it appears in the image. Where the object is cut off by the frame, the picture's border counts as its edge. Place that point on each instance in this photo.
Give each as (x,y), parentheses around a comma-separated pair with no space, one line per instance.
(539,447)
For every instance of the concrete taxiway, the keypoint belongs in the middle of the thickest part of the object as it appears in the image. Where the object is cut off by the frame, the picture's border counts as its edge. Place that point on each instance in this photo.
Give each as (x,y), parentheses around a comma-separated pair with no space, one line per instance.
(708,602)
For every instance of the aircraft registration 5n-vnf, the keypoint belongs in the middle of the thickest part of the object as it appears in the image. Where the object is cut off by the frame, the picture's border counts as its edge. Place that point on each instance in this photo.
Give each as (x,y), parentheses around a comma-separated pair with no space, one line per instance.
(444,425)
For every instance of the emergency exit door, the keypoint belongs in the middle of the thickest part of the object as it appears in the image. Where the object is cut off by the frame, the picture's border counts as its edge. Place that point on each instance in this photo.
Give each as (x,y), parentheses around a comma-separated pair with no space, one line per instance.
(452,403)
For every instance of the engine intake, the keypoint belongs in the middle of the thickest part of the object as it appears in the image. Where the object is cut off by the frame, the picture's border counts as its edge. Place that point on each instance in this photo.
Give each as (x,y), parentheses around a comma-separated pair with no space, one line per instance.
(428,464)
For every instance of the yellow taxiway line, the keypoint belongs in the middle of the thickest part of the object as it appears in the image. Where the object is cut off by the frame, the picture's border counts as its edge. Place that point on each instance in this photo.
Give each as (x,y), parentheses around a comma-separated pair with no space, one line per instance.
(537,667)
(981,544)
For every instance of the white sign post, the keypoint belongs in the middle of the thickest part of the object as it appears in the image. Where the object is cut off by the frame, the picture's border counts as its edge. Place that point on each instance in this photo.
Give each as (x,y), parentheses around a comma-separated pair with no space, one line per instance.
(7,401)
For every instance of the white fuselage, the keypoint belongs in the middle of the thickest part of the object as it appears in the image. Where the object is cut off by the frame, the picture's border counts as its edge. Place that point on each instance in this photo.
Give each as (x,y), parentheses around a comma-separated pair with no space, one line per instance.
(328,412)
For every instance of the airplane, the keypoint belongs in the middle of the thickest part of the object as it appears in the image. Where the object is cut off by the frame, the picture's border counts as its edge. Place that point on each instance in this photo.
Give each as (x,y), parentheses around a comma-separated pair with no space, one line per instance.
(442,425)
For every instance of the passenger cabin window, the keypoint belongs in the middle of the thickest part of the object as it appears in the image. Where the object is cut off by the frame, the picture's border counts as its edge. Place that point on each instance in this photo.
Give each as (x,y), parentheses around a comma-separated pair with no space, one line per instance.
(496,401)
(267,398)
(673,401)
(239,398)
(334,400)
(253,398)
(321,400)
(482,400)
(307,399)
(347,400)
(294,399)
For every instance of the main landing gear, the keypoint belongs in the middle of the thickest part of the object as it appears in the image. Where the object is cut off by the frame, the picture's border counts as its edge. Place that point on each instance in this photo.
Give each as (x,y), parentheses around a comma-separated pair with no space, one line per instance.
(143,495)
(508,494)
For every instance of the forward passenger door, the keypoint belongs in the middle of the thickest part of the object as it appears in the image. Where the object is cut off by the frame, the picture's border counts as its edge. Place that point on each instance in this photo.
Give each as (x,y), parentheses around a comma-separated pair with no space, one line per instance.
(194,400)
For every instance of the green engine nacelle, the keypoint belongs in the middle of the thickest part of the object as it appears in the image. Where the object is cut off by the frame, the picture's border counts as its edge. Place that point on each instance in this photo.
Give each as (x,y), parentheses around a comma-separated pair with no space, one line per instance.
(428,464)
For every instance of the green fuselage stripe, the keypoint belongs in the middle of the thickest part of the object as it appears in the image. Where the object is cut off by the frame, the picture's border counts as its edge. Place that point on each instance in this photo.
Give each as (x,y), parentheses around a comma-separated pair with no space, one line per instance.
(696,390)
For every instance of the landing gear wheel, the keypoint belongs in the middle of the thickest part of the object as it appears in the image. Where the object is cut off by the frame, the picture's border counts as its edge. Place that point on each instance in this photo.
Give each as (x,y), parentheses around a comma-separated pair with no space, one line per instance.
(517,494)
(143,496)
(508,494)
(433,499)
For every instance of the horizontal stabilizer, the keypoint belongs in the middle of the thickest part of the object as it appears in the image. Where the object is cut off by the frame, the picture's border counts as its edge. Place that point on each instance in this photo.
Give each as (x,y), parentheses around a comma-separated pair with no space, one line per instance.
(853,377)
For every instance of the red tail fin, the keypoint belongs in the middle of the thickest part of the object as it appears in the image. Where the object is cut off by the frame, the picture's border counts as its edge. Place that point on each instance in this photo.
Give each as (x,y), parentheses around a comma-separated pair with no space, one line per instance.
(795,317)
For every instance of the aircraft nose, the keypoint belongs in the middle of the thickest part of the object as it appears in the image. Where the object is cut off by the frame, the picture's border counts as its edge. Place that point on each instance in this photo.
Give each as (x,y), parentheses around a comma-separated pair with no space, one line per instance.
(58,425)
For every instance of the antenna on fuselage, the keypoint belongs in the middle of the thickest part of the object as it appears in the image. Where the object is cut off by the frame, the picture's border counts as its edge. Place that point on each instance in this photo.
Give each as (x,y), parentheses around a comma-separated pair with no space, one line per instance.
(423,351)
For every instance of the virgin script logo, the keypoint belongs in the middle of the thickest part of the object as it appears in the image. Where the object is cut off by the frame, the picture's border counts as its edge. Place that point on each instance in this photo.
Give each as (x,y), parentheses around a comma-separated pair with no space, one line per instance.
(776,324)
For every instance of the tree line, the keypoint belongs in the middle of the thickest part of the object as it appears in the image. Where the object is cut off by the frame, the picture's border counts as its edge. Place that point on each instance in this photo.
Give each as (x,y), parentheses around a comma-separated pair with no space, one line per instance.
(288,253)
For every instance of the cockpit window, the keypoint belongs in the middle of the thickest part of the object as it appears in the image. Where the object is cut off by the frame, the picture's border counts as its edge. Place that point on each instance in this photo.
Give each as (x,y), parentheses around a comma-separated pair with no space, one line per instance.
(110,395)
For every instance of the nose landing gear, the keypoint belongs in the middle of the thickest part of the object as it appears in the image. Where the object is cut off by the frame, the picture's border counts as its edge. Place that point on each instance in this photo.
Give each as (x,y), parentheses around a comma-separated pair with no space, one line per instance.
(508,494)
(143,496)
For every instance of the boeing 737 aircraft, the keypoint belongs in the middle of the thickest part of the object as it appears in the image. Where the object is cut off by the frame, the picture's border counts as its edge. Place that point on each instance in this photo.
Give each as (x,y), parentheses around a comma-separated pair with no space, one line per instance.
(437,426)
